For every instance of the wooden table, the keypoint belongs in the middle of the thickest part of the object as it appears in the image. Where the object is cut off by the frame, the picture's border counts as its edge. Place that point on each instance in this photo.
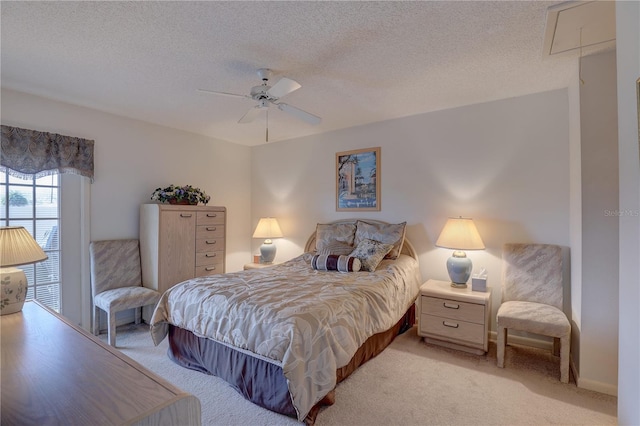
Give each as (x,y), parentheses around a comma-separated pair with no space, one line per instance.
(56,373)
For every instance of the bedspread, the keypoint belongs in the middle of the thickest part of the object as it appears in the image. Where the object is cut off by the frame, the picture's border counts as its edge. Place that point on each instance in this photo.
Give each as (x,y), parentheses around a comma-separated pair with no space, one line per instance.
(308,322)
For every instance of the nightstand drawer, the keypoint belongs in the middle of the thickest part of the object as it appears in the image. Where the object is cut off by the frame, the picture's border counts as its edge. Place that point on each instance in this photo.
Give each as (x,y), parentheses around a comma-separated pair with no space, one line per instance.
(453,309)
(451,329)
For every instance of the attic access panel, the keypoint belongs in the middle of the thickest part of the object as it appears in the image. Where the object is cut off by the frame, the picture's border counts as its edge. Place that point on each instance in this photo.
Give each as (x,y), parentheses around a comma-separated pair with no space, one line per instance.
(571,25)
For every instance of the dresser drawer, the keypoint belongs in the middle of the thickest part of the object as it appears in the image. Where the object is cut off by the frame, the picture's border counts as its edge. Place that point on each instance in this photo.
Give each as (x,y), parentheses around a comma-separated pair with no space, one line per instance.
(450,329)
(453,309)
(209,258)
(210,218)
(206,245)
(216,268)
(209,231)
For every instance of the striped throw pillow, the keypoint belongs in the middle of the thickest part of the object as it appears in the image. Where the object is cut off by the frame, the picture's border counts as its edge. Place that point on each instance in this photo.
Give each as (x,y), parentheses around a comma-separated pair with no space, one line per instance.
(334,262)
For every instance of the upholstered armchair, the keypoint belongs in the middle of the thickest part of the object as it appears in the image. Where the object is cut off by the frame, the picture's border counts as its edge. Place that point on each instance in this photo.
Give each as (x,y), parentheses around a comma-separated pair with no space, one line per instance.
(116,282)
(532,298)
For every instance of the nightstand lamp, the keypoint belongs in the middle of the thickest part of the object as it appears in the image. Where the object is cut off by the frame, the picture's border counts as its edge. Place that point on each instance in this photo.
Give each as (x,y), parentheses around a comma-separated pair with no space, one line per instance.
(267,228)
(460,234)
(17,247)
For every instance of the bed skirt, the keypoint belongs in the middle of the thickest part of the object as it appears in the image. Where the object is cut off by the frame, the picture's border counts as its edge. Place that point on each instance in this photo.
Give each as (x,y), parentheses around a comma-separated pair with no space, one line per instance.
(260,381)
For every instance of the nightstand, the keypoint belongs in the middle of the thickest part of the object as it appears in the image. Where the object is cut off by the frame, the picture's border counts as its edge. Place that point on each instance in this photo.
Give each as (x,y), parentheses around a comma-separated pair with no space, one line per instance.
(257,265)
(457,318)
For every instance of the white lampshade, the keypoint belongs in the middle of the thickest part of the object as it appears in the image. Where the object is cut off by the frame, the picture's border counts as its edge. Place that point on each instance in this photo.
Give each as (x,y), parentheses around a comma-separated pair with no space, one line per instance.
(460,234)
(267,228)
(17,247)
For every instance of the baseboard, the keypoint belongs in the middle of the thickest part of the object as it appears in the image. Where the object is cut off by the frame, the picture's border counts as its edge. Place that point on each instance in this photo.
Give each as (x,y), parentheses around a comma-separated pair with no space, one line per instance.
(127,316)
(524,341)
(592,385)
(596,386)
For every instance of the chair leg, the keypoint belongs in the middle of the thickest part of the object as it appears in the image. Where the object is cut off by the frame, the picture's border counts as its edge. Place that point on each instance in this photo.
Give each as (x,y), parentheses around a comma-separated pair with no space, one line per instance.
(565,343)
(500,345)
(112,329)
(96,320)
(138,315)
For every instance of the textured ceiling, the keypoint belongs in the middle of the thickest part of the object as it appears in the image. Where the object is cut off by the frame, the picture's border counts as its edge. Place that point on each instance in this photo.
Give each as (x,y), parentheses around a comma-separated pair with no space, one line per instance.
(358,62)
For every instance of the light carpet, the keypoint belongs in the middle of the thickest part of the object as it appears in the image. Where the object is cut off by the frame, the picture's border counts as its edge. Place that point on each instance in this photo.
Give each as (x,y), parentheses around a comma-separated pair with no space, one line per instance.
(409,383)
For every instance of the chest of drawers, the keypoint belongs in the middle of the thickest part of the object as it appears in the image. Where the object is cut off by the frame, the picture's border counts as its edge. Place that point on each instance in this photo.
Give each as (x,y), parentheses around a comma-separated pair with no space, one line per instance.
(454,317)
(180,242)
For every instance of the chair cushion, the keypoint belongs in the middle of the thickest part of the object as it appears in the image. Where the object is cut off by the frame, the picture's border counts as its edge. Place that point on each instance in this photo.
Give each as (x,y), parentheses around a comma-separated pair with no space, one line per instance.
(533,317)
(123,298)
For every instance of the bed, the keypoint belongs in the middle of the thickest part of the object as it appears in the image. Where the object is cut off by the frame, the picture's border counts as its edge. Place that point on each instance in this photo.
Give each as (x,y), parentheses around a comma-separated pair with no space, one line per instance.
(285,335)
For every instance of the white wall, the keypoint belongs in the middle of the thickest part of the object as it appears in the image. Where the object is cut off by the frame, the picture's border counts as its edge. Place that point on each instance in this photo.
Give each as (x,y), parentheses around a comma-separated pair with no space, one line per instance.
(598,352)
(628,47)
(133,158)
(504,163)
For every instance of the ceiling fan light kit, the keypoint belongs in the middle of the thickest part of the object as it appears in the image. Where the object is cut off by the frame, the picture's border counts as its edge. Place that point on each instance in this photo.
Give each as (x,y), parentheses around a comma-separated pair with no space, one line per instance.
(267,95)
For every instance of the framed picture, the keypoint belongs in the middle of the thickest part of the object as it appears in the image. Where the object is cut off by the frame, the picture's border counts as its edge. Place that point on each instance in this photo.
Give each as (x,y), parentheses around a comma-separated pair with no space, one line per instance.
(358,180)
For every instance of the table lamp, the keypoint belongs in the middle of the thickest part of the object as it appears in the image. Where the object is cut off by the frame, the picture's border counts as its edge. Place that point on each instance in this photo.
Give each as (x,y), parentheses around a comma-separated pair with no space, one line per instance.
(267,228)
(17,247)
(460,234)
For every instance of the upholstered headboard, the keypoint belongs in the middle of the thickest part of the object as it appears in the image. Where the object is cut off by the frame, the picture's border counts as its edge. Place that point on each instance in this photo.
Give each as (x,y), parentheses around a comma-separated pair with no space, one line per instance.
(407,247)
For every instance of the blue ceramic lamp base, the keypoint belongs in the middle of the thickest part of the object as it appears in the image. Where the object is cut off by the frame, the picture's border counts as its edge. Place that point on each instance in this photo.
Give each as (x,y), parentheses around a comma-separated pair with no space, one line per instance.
(459,267)
(267,252)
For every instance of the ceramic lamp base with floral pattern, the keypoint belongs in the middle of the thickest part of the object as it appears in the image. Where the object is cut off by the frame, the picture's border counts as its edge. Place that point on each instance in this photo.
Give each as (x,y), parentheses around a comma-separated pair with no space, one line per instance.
(13,290)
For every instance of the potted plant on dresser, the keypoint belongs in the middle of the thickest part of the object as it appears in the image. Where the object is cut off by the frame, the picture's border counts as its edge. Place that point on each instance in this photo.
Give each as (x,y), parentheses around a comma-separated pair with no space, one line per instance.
(174,194)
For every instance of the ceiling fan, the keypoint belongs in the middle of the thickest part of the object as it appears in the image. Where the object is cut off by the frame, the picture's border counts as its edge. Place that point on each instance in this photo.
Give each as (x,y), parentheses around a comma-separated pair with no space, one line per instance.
(267,95)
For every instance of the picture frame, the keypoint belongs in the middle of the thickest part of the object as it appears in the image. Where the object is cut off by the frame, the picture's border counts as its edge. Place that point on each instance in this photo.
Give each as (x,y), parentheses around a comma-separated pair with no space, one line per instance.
(358,180)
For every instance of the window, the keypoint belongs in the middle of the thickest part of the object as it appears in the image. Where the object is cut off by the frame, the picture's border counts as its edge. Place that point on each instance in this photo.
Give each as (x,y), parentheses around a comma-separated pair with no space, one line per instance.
(34,204)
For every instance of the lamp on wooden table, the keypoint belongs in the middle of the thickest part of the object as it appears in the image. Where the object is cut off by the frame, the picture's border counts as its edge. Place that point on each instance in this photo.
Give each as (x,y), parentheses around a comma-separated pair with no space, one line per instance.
(17,247)
(267,228)
(460,234)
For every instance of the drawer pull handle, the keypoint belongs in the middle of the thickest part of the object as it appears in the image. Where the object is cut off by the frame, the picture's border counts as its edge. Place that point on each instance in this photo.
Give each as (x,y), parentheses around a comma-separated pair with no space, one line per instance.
(213,228)
(211,242)
(212,215)
(185,215)
(449,324)
(450,306)
(210,255)
(211,268)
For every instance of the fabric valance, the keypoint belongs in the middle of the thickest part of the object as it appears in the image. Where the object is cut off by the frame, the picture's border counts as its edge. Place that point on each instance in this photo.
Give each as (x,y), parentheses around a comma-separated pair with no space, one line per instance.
(29,153)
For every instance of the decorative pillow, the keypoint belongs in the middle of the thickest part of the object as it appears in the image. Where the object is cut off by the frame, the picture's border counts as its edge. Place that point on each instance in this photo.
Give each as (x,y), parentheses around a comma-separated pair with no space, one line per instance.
(327,234)
(371,253)
(336,247)
(384,232)
(333,262)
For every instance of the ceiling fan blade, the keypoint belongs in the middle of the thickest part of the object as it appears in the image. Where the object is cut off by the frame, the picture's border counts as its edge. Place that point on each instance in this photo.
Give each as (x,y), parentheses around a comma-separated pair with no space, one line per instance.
(283,87)
(251,115)
(233,95)
(298,113)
